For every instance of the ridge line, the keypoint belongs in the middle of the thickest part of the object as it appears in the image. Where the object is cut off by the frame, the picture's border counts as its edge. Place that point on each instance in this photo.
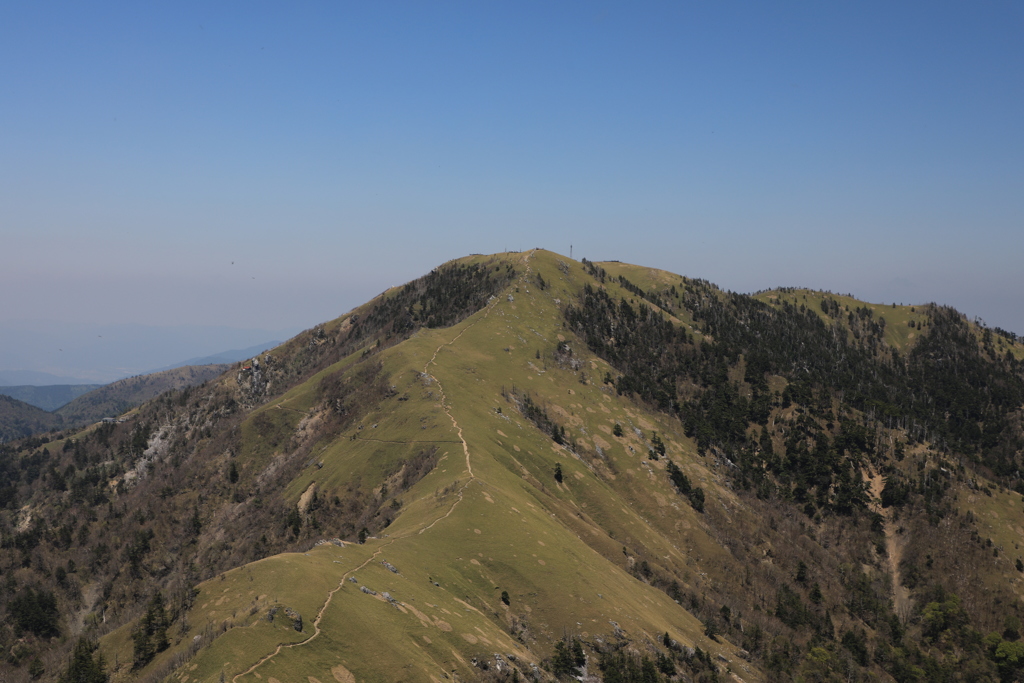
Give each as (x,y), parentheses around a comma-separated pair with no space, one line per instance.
(469,468)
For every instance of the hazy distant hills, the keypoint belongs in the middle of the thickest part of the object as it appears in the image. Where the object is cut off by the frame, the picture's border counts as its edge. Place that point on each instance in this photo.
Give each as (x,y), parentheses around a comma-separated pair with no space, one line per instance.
(41,391)
(47,352)
(232,356)
(113,399)
(35,378)
(49,397)
(19,419)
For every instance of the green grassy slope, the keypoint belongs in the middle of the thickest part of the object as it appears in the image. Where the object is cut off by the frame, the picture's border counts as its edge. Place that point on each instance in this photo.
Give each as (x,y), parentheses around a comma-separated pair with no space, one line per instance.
(611,553)
(489,518)
(899,332)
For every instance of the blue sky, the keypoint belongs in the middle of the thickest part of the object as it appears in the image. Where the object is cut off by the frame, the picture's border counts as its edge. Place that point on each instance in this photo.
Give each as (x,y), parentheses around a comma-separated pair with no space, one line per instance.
(269,166)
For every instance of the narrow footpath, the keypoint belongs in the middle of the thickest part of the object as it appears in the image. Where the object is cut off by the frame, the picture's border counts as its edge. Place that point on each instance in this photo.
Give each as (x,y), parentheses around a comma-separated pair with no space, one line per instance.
(446,406)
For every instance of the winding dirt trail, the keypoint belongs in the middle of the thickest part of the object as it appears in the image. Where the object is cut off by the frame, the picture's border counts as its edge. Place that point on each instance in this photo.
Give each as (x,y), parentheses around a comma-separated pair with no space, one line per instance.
(359,438)
(433,361)
(446,406)
(316,621)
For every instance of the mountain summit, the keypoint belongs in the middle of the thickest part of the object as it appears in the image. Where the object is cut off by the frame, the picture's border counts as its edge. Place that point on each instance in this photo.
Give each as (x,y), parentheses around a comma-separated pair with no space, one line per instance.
(523,467)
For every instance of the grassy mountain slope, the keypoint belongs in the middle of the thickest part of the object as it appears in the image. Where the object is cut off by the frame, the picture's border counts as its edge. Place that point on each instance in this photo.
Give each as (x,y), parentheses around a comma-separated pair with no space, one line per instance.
(730,487)
(489,517)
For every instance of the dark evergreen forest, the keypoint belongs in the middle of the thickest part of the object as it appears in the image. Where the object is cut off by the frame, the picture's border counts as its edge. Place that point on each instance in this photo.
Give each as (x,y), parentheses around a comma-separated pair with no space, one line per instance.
(949,389)
(798,404)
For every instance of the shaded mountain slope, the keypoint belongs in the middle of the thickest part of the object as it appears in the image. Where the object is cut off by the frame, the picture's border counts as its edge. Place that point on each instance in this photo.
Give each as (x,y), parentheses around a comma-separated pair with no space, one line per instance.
(19,419)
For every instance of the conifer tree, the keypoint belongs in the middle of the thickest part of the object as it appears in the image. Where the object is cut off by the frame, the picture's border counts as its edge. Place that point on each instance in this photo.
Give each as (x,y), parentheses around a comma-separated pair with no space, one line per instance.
(151,636)
(84,667)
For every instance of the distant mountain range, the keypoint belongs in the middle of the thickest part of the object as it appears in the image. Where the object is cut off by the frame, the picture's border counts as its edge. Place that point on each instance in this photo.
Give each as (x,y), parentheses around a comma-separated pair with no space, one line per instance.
(48,397)
(232,356)
(19,419)
(50,392)
(45,352)
(28,409)
(115,398)
(13,378)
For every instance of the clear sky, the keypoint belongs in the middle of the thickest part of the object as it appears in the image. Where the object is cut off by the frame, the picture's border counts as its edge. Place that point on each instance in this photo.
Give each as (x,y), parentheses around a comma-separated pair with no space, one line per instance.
(271,165)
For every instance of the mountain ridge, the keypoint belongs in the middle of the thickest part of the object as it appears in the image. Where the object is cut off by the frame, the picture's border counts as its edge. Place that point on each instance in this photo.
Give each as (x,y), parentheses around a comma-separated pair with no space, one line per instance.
(525,455)
(222,358)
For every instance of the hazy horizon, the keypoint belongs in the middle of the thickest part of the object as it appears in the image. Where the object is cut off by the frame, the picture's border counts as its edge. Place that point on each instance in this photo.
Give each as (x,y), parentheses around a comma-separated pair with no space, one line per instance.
(75,353)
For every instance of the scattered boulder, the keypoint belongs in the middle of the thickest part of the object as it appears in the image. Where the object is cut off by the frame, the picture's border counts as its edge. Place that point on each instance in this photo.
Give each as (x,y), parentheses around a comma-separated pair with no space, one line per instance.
(295,617)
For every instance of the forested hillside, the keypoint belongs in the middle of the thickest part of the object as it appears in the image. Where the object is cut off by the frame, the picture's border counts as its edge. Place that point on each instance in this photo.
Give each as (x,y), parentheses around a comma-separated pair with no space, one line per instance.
(803,403)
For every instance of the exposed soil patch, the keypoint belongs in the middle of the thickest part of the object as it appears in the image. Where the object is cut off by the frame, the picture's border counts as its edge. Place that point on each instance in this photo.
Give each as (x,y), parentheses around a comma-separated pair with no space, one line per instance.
(894,547)
(306,498)
(343,675)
